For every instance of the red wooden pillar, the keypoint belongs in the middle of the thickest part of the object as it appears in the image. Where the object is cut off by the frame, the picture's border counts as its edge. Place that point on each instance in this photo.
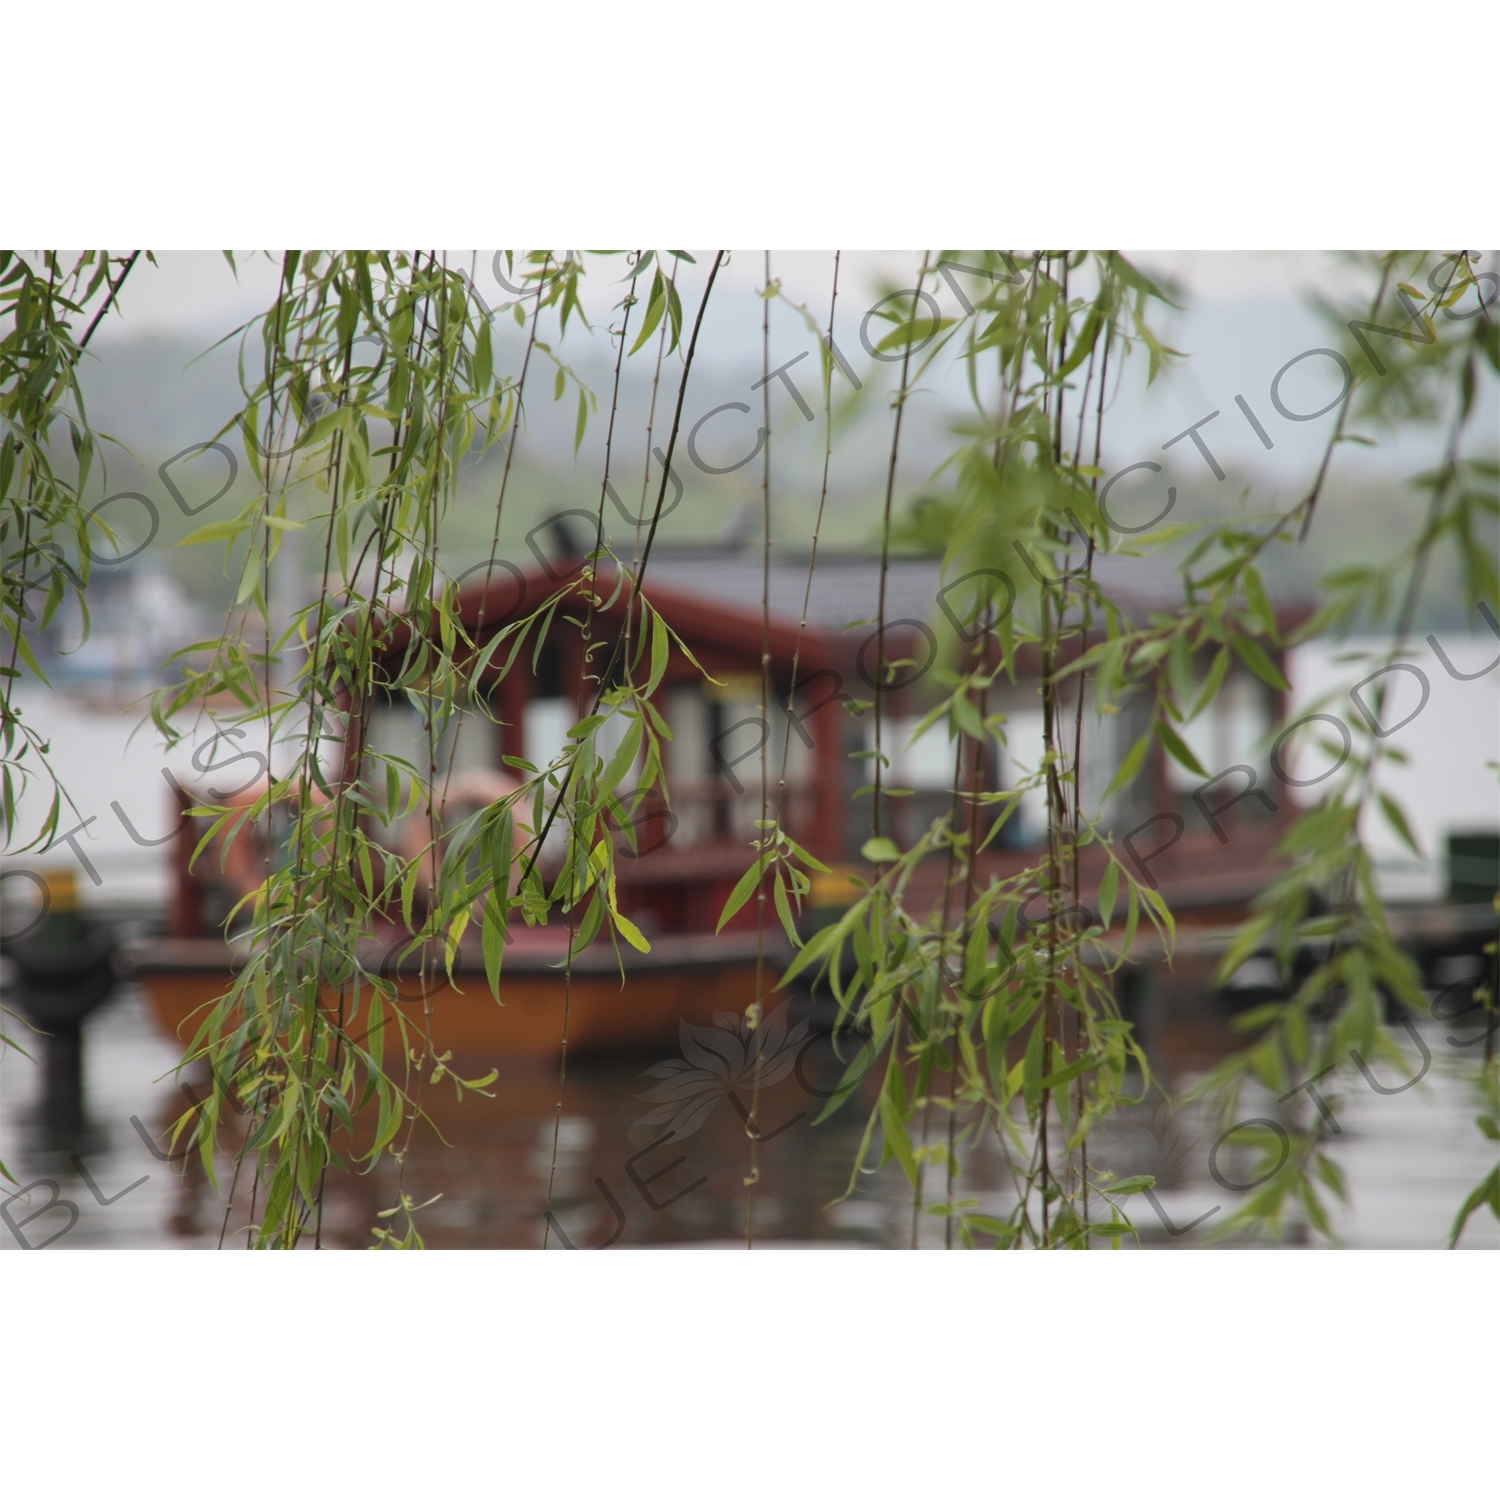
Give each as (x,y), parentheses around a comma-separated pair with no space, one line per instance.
(186,916)
(511,698)
(830,731)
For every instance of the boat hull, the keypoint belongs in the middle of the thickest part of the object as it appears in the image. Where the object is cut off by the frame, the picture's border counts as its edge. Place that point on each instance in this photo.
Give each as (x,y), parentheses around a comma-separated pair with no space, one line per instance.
(607,1012)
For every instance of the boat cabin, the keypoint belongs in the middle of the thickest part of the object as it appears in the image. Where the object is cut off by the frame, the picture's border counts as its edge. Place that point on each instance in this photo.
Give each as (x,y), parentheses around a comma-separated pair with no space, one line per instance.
(690,854)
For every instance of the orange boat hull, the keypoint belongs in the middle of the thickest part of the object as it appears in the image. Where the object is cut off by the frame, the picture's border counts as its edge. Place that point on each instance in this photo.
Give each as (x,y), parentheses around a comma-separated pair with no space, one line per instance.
(605,1013)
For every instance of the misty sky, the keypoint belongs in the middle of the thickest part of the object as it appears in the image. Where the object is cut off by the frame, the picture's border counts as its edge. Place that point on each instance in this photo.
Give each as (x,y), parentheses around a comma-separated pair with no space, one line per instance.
(1245,315)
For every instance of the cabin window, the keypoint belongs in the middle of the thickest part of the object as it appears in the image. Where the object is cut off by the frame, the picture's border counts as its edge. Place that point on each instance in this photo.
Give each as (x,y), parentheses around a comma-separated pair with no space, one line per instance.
(713,761)
(393,729)
(919,764)
(1106,740)
(470,742)
(544,729)
(1025,745)
(923,762)
(1231,731)
(396,737)
(735,750)
(688,764)
(549,682)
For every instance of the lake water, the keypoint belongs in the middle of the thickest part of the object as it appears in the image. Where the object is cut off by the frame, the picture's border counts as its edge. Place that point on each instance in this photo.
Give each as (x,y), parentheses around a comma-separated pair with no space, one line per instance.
(1409,1158)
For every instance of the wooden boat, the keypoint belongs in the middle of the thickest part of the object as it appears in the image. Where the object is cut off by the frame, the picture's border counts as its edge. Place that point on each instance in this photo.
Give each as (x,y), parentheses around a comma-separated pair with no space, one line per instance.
(684,861)
(684,976)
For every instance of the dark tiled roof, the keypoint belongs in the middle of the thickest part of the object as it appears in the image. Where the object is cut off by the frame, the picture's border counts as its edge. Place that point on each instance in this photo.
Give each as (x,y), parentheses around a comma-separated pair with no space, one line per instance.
(845,588)
(846,585)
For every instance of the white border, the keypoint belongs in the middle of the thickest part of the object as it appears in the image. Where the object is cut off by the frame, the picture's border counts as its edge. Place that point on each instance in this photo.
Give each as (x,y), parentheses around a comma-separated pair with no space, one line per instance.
(1234,1373)
(790,122)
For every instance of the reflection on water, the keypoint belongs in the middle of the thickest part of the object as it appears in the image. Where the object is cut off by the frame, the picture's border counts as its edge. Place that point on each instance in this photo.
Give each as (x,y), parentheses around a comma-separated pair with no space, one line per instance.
(1409,1158)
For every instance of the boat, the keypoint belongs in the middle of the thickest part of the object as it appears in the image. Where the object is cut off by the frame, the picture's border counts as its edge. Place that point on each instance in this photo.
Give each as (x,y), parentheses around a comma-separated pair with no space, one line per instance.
(615,1002)
(687,858)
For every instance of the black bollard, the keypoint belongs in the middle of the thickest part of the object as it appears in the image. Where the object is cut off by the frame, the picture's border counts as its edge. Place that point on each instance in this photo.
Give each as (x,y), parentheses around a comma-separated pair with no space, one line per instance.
(62,1100)
(65,966)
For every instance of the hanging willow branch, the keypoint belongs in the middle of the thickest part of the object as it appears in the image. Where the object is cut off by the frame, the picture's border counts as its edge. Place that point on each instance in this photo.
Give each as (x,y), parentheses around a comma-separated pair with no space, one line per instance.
(309,1035)
(1021,1017)
(1007,1022)
(47,535)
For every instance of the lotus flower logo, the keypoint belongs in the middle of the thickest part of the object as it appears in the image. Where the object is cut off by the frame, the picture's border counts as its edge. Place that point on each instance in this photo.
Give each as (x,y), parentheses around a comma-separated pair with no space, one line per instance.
(1157,1146)
(719,1062)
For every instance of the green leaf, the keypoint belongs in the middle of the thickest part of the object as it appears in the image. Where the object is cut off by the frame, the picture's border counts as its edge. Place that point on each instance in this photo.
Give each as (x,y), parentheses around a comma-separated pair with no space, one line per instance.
(630,932)
(1108,888)
(660,646)
(897,1141)
(1129,1185)
(674,309)
(1488,1192)
(811,861)
(1397,819)
(741,893)
(966,716)
(624,757)
(654,309)
(593,920)
(1032,1065)
(1130,767)
(493,933)
(1253,654)
(1177,748)
(1213,682)
(880,851)
(1075,1069)
(1180,668)
(995,1025)
(1259,601)
(500,859)
(583,422)
(215,531)
(784,911)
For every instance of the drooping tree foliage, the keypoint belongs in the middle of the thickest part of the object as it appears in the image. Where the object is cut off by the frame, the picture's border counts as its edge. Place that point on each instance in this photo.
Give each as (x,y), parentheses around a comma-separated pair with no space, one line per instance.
(991,1013)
